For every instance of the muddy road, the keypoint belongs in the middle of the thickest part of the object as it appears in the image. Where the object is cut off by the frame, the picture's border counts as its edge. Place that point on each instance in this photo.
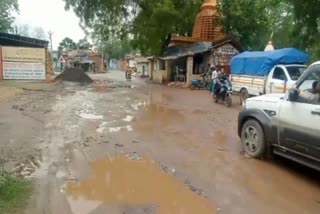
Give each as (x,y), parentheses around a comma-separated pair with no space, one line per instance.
(136,148)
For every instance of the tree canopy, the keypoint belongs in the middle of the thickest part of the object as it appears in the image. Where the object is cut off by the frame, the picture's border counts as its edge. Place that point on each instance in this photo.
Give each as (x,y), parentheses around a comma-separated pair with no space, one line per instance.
(117,49)
(84,44)
(252,21)
(6,18)
(68,44)
(149,23)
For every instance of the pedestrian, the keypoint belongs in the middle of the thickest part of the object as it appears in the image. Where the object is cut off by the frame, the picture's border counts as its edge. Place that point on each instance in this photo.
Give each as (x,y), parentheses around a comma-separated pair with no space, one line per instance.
(208,69)
(215,74)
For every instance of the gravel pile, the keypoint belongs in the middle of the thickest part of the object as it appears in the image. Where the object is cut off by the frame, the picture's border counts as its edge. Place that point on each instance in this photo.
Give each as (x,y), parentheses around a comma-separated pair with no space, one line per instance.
(74,75)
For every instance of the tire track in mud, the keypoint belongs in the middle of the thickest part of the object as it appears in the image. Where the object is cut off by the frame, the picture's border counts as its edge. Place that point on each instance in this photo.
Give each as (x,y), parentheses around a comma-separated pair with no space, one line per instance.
(61,130)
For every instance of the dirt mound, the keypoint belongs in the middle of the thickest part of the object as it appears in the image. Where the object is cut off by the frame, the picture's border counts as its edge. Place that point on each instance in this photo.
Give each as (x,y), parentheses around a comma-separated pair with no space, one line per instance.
(74,75)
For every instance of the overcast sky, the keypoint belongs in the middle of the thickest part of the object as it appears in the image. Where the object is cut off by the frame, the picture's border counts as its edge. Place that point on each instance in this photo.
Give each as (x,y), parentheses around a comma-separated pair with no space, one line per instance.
(50,15)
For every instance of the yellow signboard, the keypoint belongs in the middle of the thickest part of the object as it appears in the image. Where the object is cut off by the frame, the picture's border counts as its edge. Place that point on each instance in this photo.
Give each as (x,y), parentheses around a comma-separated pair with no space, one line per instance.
(17,54)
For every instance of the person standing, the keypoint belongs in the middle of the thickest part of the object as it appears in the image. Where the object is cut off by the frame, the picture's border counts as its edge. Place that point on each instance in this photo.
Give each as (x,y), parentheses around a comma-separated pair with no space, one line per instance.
(208,69)
(215,75)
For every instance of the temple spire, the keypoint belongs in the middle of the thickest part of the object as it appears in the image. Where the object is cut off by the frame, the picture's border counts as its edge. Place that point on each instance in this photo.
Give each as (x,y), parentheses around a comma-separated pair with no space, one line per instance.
(209,3)
(205,28)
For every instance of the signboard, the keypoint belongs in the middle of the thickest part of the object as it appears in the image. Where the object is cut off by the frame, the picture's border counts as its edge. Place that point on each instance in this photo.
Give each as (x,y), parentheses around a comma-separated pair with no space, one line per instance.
(17,54)
(24,71)
(226,49)
(61,60)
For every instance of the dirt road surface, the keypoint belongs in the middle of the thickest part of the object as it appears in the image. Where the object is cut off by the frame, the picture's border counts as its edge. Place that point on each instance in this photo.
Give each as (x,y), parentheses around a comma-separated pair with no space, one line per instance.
(134,147)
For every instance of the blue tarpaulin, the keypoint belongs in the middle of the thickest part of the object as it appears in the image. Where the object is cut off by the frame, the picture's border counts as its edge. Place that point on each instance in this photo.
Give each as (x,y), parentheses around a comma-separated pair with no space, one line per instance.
(259,63)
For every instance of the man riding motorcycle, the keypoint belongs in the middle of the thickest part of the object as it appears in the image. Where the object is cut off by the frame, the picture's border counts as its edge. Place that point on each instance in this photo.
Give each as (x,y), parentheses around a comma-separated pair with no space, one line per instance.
(220,81)
(223,90)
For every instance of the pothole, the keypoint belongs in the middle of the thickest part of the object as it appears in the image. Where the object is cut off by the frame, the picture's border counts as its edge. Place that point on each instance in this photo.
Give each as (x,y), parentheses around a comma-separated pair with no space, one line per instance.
(135,180)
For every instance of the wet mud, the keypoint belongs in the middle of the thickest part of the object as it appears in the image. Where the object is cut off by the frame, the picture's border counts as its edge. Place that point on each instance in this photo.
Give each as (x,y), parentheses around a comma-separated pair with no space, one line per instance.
(137,182)
(92,141)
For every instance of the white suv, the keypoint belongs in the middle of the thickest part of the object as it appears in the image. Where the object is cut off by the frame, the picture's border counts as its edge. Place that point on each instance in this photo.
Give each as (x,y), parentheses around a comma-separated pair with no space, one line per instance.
(285,124)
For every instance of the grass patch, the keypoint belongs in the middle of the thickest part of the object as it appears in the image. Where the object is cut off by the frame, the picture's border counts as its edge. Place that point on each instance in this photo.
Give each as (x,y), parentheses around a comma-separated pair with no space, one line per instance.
(14,193)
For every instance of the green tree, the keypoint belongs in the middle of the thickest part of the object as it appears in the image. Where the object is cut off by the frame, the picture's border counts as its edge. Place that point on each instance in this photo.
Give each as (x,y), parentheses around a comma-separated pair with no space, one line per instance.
(68,44)
(147,23)
(158,20)
(117,49)
(253,21)
(84,44)
(6,18)
(307,25)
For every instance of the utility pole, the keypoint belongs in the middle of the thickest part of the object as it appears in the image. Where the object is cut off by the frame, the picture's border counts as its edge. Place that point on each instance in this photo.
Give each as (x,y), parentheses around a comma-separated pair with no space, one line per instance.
(51,46)
(50,37)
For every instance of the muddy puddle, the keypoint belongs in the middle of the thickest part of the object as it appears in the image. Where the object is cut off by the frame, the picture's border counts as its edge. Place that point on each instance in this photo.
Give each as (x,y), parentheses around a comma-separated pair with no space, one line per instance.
(156,116)
(108,85)
(135,183)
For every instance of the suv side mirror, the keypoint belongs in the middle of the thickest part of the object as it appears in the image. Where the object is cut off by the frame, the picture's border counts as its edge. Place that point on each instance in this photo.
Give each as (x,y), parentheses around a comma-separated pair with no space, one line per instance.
(293,95)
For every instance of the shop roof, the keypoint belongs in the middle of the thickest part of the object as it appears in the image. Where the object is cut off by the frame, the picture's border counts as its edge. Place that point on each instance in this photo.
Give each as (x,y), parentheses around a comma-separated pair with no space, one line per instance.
(227,40)
(7,39)
(181,51)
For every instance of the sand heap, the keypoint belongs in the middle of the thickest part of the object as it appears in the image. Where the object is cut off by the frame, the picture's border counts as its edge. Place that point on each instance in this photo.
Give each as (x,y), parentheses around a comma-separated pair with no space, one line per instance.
(74,75)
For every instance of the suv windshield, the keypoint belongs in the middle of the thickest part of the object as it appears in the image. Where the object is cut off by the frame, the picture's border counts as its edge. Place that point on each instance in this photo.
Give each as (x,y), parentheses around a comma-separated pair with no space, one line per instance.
(313,76)
(295,71)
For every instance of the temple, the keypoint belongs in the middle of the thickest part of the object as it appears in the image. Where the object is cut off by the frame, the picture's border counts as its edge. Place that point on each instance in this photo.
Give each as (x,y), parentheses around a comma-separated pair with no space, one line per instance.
(186,57)
(206,26)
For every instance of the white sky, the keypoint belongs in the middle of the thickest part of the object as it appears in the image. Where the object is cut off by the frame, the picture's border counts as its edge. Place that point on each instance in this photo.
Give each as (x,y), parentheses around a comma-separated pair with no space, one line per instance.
(50,15)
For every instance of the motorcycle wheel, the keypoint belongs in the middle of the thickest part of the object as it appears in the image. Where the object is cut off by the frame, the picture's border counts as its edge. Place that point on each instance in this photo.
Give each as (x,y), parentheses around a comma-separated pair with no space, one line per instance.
(208,87)
(228,101)
(192,87)
(215,98)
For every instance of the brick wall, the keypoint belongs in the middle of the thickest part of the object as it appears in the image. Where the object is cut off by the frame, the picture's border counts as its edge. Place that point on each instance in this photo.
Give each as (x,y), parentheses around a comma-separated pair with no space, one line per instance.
(98,61)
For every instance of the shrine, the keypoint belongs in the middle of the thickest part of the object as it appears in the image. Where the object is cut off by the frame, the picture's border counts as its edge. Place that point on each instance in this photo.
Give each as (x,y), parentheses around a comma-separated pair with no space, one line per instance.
(186,57)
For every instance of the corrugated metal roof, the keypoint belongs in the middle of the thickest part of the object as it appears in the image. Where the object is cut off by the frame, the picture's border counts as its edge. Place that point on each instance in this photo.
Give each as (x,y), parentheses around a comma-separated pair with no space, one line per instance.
(7,39)
(181,51)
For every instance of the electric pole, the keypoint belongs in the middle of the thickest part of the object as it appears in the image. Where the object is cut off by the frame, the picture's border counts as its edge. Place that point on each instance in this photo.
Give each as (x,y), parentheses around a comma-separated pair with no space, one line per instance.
(50,37)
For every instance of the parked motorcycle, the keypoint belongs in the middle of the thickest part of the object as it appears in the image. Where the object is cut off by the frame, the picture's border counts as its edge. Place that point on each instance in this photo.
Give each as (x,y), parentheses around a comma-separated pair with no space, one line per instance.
(200,84)
(128,75)
(223,92)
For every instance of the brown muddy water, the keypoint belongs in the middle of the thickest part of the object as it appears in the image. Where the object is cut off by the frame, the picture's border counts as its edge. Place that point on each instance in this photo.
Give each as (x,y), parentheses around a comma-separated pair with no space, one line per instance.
(137,182)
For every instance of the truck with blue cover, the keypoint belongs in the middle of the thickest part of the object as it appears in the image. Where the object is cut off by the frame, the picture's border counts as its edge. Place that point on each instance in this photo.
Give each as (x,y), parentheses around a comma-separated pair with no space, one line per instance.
(257,73)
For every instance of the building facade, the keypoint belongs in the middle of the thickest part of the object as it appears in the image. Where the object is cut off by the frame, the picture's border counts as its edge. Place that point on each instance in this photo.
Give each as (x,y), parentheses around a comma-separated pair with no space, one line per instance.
(186,57)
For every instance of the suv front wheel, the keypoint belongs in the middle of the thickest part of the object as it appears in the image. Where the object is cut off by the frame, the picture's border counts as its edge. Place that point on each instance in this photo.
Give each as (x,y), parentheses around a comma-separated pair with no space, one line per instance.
(253,139)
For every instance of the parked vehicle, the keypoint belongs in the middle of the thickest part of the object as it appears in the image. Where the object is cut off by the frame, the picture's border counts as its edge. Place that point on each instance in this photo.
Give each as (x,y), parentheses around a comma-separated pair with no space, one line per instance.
(200,84)
(285,124)
(223,92)
(258,73)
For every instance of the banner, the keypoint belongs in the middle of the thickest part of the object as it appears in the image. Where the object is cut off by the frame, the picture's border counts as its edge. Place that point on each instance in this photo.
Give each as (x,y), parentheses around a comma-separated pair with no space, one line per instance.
(23,71)
(17,54)
(226,49)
